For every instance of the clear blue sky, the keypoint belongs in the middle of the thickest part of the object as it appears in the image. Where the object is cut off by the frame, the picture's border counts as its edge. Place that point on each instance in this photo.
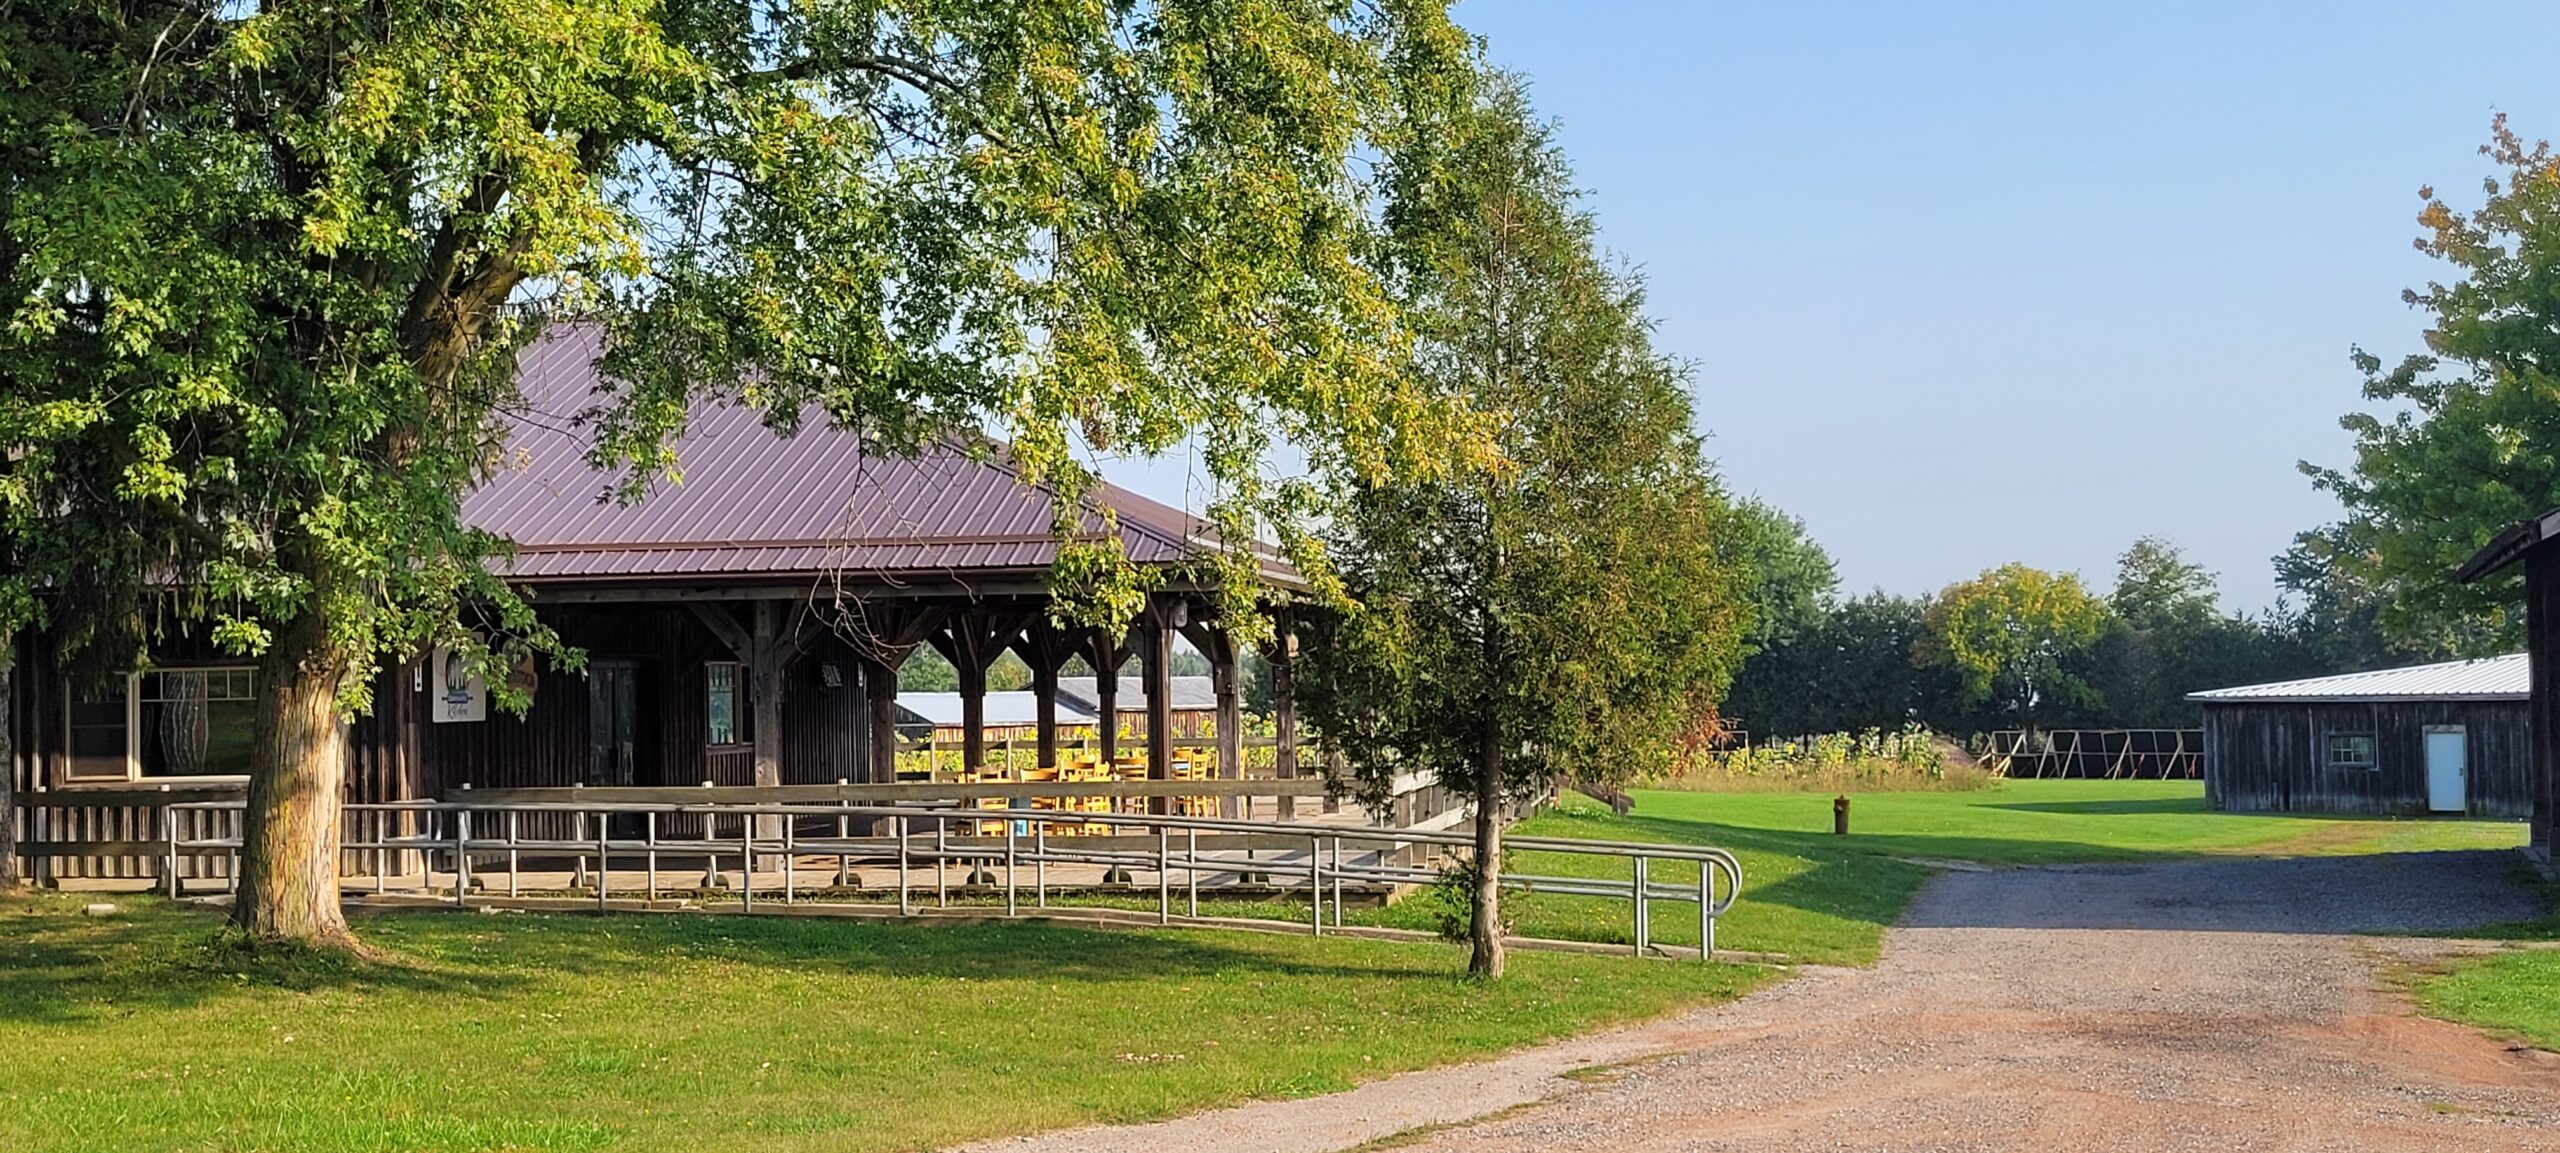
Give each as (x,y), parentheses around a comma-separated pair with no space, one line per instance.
(1967,283)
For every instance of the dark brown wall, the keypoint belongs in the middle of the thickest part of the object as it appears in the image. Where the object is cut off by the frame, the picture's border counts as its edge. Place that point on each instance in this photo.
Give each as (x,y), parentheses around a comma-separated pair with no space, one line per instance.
(2542,643)
(2273,757)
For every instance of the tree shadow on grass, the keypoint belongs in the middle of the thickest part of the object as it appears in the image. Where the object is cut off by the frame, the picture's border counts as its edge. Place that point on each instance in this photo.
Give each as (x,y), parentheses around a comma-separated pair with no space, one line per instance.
(606,944)
(2188,806)
(60,965)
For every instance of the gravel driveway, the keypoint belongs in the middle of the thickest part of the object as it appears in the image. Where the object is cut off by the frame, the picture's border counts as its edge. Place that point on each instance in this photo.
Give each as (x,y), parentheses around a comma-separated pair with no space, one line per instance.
(2210,1005)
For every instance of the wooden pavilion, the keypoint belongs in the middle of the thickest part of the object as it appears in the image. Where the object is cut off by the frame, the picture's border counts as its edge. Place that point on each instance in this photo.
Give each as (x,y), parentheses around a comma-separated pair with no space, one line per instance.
(742,628)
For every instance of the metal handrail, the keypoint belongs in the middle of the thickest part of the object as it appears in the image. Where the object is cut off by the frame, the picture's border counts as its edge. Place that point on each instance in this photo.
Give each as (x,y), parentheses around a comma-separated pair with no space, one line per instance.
(470,829)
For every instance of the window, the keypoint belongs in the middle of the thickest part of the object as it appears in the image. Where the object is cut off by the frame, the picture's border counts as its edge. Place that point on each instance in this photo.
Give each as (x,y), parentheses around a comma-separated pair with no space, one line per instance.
(100,734)
(165,723)
(2351,751)
(722,701)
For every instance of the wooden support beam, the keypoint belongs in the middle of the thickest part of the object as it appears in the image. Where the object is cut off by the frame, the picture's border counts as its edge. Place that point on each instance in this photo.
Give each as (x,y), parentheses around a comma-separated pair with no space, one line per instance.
(1108,651)
(1045,647)
(1156,628)
(972,641)
(1284,703)
(1220,647)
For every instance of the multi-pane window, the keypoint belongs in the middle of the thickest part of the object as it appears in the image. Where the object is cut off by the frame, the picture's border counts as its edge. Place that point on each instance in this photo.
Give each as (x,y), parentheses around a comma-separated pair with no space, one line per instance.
(2351,751)
(165,723)
(723,701)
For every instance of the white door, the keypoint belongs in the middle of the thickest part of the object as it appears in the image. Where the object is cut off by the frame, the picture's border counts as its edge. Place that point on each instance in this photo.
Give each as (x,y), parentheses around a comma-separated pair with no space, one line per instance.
(2445,792)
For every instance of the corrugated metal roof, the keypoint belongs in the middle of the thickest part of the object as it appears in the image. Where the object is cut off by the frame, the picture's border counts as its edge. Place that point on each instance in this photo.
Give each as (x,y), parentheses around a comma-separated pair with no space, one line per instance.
(2493,679)
(1010,709)
(753,502)
(1189,694)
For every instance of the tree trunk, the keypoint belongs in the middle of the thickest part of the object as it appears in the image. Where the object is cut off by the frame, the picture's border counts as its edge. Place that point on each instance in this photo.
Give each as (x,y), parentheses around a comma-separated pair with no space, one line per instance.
(8,762)
(297,785)
(1485,926)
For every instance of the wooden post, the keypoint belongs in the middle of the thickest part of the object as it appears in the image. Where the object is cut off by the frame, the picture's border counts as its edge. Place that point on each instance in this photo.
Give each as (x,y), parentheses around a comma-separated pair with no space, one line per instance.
(881,634)
(1045,647)
(9,772)
(1107,652)
(880,722)
(1155,657)
(765,684)
(1284,705)
(1220,647)
(973,642)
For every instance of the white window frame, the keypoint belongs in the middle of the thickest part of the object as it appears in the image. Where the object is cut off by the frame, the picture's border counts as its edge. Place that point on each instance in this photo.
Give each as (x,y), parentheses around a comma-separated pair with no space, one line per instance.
(133,728)
(2372,740)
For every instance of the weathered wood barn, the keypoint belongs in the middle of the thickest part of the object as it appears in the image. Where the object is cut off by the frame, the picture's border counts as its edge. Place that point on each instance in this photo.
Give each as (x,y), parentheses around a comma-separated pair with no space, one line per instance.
(2440,738)
(2535,544)
(742,628)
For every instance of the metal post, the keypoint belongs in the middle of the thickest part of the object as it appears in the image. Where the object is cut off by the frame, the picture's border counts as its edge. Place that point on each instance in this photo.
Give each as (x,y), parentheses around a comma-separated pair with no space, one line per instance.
(649,827)
(1191,870)
(511,852)
(168,827)
(1706,916)
(1040,864)
(604,862)
(1009,900)
(904,906)
(1337,882)
(941,875)
(461,855)
(1315,882)
(380,818)
(747,863)
(1164,877)
(1644,930)
(790,849)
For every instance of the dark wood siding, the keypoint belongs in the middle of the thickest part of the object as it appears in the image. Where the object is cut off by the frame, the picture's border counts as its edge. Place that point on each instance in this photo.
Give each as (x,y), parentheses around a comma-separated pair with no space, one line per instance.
(2542,643)
(2273,757)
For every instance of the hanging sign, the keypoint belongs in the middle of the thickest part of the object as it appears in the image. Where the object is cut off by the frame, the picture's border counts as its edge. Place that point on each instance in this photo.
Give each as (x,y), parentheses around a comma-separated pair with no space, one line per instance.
(453,694)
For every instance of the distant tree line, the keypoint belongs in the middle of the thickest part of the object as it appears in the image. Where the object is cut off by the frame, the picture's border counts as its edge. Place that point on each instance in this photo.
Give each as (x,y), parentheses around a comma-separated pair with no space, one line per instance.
(2018,647)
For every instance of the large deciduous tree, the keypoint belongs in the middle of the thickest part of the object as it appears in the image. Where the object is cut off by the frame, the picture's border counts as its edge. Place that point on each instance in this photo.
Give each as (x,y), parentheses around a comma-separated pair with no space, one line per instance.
(2470,442)
(2011,634)
(267,265)
(1565,610)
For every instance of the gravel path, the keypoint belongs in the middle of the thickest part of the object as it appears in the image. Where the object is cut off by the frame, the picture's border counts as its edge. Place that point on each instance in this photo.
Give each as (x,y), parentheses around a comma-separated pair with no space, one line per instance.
(2211,1005)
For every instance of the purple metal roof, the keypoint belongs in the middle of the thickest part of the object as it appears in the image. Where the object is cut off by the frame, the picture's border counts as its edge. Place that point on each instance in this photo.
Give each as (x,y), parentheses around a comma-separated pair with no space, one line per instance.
(755,503)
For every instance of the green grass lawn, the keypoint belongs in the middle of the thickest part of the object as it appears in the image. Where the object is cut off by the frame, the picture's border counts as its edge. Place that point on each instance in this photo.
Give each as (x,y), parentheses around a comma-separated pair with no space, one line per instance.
(2513,994)
(695,1032)
(142,1031)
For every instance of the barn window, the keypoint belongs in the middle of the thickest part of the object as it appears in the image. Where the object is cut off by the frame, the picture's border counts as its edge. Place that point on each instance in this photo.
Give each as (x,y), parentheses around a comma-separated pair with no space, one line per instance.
(166,723)
(2351,751)
(723,682)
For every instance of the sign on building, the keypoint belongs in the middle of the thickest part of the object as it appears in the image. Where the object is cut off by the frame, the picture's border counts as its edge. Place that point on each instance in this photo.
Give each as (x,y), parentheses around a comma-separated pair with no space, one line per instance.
(453,693)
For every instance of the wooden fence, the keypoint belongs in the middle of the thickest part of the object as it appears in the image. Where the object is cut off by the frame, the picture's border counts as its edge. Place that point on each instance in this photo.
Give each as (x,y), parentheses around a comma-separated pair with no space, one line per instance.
(2109,754)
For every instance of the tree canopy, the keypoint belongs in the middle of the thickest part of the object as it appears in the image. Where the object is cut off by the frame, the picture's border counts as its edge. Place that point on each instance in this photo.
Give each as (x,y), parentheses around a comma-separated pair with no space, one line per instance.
(267,267)
(2007,634)
(1790,580)
(2469,440)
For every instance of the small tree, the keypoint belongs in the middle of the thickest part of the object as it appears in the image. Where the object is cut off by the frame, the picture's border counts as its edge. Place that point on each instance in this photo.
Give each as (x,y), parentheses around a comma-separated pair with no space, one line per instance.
(1563,612)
